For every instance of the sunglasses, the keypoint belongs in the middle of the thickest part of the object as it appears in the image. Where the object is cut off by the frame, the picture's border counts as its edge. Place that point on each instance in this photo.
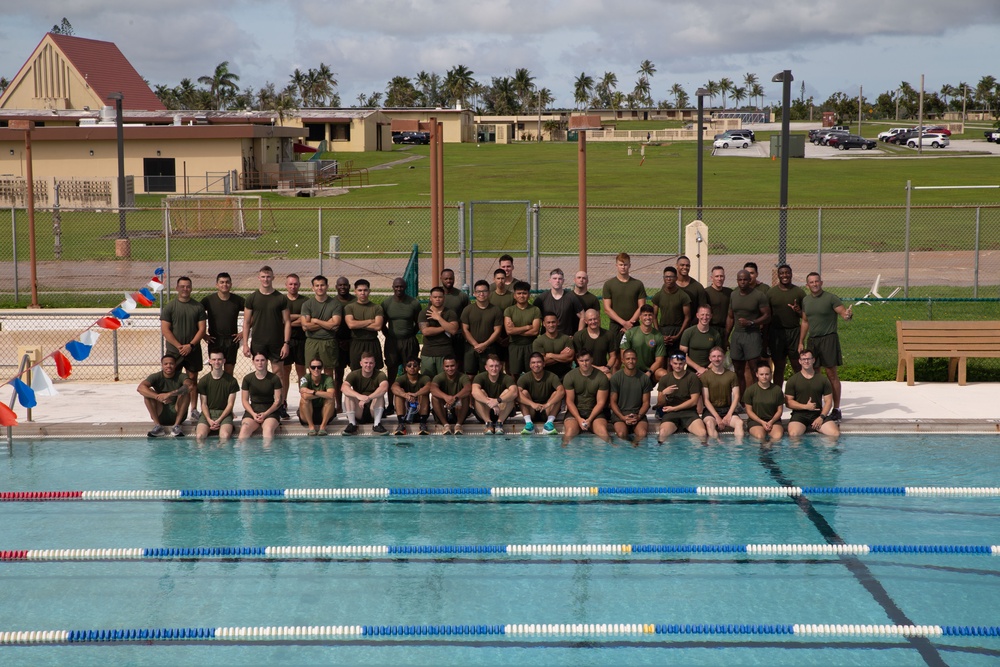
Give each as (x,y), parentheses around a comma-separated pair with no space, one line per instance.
(319,368)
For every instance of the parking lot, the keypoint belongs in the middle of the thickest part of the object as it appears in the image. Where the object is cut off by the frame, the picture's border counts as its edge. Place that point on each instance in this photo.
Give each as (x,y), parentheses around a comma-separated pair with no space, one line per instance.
(762,149)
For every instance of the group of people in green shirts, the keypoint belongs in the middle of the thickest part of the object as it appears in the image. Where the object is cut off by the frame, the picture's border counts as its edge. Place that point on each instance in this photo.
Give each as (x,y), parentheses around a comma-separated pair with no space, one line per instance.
(500,350)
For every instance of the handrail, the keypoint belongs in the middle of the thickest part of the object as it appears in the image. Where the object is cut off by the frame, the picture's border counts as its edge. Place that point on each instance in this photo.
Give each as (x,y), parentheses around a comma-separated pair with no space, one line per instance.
(25,359)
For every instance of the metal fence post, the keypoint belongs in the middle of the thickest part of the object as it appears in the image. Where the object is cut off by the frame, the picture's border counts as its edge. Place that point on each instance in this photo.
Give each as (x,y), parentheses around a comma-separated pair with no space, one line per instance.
(532,275)
(13,231)
(906,246)
(114,352)
(166,269)
(319,244)
(535,251)
(471,237)
(463,274)
(680,229)
(819,241)
(975,271)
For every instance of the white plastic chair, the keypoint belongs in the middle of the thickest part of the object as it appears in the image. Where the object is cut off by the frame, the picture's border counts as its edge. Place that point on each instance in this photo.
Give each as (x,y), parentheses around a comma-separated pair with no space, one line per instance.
(873,292)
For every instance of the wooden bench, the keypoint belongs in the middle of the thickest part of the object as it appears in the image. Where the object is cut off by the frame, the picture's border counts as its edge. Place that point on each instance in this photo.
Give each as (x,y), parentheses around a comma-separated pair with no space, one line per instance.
(955,340)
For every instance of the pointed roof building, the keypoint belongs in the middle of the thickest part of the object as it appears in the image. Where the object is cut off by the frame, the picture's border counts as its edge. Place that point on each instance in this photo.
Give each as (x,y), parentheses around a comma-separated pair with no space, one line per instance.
(66,72)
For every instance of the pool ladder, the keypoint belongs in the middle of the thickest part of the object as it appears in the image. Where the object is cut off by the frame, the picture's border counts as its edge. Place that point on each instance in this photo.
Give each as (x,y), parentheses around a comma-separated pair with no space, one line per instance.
(25,360)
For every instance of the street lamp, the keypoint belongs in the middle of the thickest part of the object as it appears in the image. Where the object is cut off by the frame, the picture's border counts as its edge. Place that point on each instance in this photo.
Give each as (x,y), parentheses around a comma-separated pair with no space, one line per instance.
(785,79)
(28,126)
(122,248)
(701,92)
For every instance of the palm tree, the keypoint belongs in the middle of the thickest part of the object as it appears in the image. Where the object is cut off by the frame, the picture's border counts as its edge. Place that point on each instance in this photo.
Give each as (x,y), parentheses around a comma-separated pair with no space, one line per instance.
(325,84)
(458,82)
(524,85)
(682,100)
(739,94)
(4,82)
(677,90)
(502,97)
(186,94)
(985,91)
(582,88)
(725,85)
(646,70)
(757,92)
(606,89)
(713,89)
(641,91)
(400,92)
(221,84)
(749,79)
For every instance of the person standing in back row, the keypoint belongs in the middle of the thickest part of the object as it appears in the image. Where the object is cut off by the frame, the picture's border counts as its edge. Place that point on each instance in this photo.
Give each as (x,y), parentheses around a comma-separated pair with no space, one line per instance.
(224,309)
(820,313)
(785,328)
(267,327)
(364,319)
(182,323)
(562,303)
(297,346)
(622,297)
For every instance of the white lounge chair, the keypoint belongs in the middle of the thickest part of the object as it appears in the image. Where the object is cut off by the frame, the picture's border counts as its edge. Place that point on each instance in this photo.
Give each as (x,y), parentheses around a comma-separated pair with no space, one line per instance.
(873,292)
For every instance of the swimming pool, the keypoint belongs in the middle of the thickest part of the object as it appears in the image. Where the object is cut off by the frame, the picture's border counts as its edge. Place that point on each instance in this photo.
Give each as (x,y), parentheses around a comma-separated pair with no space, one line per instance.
(434,493)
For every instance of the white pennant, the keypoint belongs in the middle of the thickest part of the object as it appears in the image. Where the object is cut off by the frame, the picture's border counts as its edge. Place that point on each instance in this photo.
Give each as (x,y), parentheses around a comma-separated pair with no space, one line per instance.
(129,304)
(42,383)
(89,337)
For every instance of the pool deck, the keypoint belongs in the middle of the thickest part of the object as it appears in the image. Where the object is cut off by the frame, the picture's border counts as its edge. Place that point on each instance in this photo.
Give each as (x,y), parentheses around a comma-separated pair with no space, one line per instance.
(85,409)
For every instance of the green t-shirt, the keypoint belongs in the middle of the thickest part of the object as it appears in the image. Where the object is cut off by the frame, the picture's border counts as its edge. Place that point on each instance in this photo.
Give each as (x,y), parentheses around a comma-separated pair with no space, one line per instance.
(801,388)
(261,390)
(698,344)
(546,345)
(696,292)
(456,301)
(218,391)
(412,386)
(540,391)
(502,301)
(588,301)
(161,384)
(819,310)
(749,306)
(482,322)
(522,317)
(183,317)
(647,346)
(490,388)
(437,345)
(764,402)
(719,301)
(600,348)
(624,296)
(295,308)
(631,389)
(671,307)
(267,321)
(720,388)
(585,389)
(401,316)
(344,331)
(223,316)
(360,312)
(687,385)
(566,308)
(363,385)
(781,315)
(451,387)
(323,311)
(325,384)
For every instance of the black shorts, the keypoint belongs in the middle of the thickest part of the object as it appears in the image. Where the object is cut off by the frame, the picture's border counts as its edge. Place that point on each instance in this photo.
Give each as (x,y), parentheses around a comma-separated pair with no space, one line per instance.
(476,362)
(296,352)
(615,420)
(399,350)
(783,343)
(682,423)
(826,349)
(270,350)
(192,362)
(359,347)
(804,417)
(317,410)
(746,345)
(228,347)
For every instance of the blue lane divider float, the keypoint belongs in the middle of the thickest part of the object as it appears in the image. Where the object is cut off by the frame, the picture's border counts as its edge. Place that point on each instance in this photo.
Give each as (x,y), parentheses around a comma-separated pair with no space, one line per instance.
(498,492)
(344,552)
(589,631)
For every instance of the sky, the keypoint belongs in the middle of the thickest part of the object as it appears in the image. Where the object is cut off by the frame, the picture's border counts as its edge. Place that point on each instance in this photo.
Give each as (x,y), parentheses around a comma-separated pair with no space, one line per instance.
(829,45)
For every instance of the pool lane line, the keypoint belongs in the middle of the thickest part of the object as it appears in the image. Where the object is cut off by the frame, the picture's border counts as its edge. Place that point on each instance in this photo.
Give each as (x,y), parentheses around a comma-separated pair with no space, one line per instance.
(617,551)
(410,493)
(859,570)
(591,632)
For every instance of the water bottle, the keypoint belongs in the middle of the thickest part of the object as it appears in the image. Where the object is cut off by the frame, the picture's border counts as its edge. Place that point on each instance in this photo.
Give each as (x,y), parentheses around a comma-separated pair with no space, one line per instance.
(411,411)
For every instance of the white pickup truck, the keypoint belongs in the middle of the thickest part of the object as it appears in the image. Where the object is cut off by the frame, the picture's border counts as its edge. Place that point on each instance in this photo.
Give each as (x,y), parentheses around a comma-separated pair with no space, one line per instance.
(891,132)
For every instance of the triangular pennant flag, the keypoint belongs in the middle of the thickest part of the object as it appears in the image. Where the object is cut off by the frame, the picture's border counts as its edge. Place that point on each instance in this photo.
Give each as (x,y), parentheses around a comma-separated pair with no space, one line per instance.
(78,350)
(141,299)
(25,394)
(158,273)
(41,383)
(128,304)
(149,295)
(89,337)
(7,416)
(108,322)
(120,313)
(63,366)
(155,285)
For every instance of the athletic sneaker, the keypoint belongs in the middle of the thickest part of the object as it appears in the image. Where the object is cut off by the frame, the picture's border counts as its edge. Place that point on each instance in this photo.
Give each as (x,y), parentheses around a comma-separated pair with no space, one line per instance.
(457,430)
(177,431)
(350,429)
(195,414)
(488,430)
(549,429)
(400,430)
(378,428)
(445,430)
(423,430)
(283,413)
(835,414)
(157,432)
(497,428)
(528,429)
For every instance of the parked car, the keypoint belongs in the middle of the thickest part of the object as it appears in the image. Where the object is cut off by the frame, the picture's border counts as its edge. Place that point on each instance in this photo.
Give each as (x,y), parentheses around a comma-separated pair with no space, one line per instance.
(992,135)
(901,138)
(734,141)
(846,141)
(933,140)
(939,129)
(748,134)
(824,139)
(411,138)
(891,132)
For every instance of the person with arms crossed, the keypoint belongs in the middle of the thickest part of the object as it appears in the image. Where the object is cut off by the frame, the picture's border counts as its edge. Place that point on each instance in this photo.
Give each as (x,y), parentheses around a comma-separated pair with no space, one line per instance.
(224,309)
(400,329)
(630,399)
(495,395)
(764,404)
(297,341)
(166,395)
(678,393)
(522,322)
(322,316)
(810,398)
(586,400)
(267,327)
(540,393)
(260,393)
(217,390)
(820,313)
(316,403)
(749,312)
(342,293)
(672,310)
(555,347)
(364,391)
(438,325)
(451,394)
(365,320)
(647,342)
(411,393)
(697,341)
(720,392)
(482,324)
(182,324)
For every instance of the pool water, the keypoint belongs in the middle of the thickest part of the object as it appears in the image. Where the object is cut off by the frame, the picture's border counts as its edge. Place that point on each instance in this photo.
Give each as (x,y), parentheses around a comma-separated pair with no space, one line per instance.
(945,589)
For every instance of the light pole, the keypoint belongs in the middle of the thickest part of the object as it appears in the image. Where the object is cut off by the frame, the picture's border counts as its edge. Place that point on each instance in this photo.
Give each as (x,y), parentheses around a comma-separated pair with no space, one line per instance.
(122,248)
(785,79)
(28,126)
(581,124)
(700,93)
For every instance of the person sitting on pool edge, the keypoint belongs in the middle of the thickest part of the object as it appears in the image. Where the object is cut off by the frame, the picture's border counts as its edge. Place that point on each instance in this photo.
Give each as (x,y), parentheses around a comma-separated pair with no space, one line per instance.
(494,394)
(451,396)
(809,396)
(365,389)
(316,402)
(630,391)
(586,400)
(166,395)
(411,393)
(764,404)
(540,393)
(678,392)
(260,393)
(217,392)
